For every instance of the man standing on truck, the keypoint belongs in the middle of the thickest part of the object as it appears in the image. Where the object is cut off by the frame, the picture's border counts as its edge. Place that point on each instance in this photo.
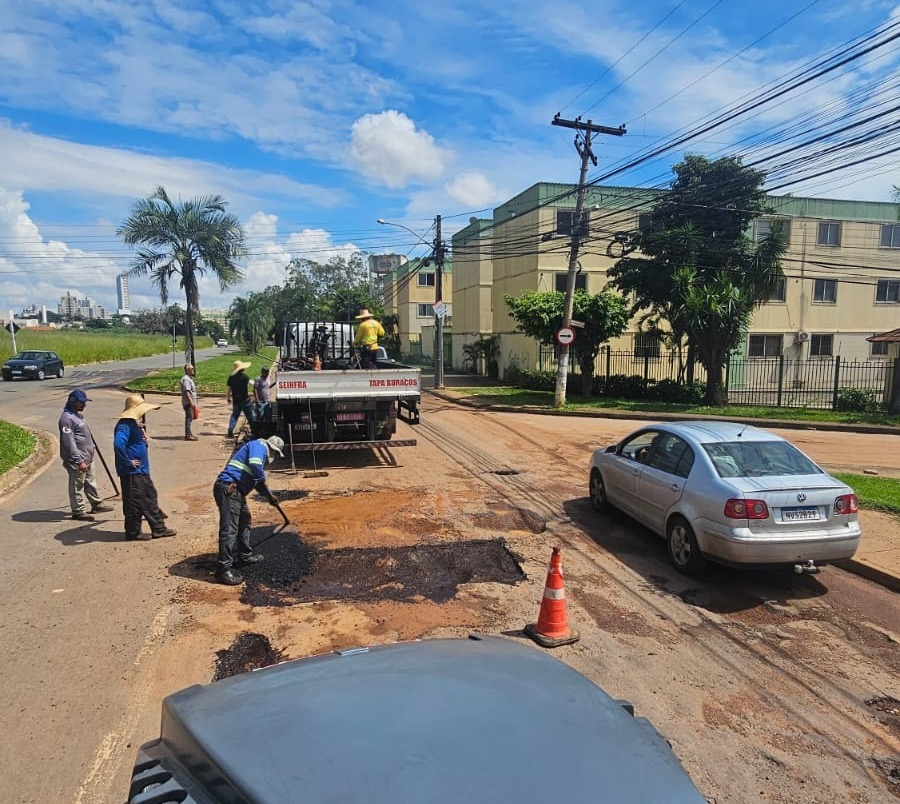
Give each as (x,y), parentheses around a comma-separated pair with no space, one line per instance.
(238,395)
(244,472)
(368,332)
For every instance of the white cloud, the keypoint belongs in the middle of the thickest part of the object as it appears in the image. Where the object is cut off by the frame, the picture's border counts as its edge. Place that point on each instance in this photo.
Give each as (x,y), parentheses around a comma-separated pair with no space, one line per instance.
(389,148)
(472,189)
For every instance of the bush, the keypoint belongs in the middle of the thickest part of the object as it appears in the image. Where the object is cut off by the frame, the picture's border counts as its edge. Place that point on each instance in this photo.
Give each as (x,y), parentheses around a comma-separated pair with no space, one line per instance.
(621,386)
(531,380)
(857,400)
(674,391)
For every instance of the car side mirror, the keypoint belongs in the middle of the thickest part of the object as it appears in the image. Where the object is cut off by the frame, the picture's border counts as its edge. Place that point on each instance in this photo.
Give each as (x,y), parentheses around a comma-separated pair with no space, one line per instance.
(611,448)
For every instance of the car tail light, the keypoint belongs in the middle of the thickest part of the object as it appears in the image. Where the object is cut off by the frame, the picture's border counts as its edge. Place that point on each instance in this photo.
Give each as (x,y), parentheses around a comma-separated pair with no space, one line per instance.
(746,509)
(846,504)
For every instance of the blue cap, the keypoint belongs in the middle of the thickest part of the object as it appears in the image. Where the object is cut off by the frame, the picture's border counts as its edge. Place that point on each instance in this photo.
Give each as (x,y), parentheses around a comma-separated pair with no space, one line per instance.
(79,396)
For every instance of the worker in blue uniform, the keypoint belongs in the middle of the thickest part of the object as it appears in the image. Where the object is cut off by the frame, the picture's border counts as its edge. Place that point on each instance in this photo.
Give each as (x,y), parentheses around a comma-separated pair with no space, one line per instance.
(244,472)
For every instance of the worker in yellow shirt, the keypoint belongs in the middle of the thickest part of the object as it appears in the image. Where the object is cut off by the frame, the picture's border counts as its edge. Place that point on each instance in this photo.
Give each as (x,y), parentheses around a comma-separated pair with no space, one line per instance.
(368,331)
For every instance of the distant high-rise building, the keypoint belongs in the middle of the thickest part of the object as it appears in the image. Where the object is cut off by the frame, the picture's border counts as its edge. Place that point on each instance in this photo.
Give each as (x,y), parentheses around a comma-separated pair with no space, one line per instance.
(72,307)
(122,293)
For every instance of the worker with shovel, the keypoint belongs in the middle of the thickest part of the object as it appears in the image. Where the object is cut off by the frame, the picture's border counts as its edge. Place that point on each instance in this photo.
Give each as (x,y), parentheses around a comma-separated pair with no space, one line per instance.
(244,472)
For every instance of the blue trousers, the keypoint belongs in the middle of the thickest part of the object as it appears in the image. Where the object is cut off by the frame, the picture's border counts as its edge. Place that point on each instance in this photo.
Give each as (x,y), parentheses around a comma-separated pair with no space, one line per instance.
(237,408)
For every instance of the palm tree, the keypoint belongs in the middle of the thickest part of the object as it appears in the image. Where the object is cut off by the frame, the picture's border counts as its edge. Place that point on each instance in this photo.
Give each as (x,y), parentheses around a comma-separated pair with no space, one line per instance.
(185,240)
(251,321)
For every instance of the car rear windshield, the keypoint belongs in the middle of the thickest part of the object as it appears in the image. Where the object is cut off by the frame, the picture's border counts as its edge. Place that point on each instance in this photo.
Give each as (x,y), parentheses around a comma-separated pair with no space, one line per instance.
(759,459)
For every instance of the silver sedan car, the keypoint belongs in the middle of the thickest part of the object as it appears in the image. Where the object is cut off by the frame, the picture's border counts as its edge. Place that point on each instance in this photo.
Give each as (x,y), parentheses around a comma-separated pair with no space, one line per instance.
(727,492)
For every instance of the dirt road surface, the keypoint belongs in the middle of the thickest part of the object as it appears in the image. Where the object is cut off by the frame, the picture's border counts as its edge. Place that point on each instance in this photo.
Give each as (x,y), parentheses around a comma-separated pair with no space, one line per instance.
(770,687)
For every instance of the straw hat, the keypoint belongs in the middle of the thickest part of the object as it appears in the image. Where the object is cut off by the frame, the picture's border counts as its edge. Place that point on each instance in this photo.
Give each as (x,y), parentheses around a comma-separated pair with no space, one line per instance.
(135,407)
(364,313)
(239,365)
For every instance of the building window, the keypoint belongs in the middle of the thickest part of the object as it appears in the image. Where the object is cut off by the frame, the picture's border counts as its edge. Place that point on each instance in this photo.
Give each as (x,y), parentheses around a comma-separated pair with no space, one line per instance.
(825,291)
(424,311)
(559,281)
(878,348)
(778,293)
(646,345)
(890,235)
(887,291)
(764,346)
(565,219)
(426,280)
(763,228)
(645,219)
(829,233)
(821,345)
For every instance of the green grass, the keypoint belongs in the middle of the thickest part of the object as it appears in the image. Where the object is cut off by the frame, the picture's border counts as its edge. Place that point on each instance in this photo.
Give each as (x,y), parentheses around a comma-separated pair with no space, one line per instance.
(16,445)
(76,347)
(510,395)
(211,374)
(880,493)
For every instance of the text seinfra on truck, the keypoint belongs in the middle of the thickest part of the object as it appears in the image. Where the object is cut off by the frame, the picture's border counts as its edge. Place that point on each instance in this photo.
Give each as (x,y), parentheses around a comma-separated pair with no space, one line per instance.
(323,397)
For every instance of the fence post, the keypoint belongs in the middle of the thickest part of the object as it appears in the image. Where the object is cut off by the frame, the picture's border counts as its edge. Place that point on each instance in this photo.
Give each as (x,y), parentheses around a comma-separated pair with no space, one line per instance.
(780,379)
(837,378)
(646,367)
(608,360)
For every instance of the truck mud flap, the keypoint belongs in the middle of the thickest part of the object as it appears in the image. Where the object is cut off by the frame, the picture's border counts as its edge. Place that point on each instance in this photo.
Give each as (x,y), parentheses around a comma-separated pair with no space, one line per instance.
(339,445)
(412,411)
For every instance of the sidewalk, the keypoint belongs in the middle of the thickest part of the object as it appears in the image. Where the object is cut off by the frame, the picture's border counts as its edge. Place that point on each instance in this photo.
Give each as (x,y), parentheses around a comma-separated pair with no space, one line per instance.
(878,556)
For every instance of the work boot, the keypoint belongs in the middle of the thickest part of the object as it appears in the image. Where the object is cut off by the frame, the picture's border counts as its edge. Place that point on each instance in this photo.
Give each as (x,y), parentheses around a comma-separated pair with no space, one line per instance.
(101,508)
(141,537)
(253,558)
(159,534)
(191,438)
(83,517)
(229,577)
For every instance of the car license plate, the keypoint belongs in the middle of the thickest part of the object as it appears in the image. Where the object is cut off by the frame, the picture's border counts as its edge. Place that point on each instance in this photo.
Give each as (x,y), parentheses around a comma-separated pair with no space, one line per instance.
(799,514)
(305,426)
(16,372)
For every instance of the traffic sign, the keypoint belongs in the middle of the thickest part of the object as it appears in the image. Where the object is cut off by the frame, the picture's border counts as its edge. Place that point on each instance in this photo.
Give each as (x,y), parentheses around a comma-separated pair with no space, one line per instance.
(565,336)
(439,308)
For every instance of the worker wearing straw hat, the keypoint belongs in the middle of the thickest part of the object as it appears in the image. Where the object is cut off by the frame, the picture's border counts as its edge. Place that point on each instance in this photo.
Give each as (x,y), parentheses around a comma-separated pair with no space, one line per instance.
(139,497)
(368,332)
(239,395)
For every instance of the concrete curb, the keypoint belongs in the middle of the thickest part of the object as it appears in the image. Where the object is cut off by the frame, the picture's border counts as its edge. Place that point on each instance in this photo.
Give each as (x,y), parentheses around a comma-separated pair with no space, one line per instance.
(26,471)
(660,416)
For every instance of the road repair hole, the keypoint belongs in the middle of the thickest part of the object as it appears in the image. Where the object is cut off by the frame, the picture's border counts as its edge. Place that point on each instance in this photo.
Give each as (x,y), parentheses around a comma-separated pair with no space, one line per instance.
(295,573)
(249,651)
(887,710)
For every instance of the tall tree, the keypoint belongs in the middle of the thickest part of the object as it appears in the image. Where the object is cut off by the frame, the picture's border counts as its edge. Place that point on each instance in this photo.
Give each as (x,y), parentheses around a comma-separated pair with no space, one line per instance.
(540,314)
(696,266)
(184,239)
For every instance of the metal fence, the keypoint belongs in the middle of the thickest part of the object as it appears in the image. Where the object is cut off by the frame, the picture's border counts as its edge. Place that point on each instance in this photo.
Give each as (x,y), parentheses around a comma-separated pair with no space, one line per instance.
(770,381)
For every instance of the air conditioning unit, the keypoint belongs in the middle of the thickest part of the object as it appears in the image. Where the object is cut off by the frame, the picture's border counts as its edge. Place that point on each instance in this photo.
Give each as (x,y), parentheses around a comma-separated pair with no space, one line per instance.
(801,337)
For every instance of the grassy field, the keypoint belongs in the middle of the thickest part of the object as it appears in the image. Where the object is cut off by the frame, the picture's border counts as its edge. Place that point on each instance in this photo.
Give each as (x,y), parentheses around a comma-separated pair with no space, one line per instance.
(78,347)
(16,445)
(509,395)
(211,374)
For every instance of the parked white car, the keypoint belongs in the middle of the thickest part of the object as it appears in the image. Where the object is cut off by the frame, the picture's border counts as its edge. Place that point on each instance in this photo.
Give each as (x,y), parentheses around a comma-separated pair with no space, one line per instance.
(727,492)
(221,342)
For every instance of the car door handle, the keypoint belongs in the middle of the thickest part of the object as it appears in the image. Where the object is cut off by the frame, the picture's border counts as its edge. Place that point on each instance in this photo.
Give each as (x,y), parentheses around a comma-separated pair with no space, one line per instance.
(676,487)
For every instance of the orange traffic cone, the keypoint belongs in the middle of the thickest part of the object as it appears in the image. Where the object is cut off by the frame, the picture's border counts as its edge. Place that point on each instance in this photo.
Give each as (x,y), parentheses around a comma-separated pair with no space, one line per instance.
(552,628)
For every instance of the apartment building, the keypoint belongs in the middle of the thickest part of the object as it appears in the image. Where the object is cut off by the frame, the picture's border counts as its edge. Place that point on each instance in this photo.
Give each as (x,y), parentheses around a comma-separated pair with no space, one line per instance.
(410,292)
(842,270)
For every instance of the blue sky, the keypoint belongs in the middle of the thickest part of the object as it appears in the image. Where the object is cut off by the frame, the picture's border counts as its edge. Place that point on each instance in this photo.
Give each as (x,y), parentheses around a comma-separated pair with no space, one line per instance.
(315,119)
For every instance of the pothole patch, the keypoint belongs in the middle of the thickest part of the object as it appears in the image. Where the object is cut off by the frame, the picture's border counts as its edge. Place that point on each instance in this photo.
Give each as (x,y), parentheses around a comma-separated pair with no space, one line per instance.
(248,652)
(293,573)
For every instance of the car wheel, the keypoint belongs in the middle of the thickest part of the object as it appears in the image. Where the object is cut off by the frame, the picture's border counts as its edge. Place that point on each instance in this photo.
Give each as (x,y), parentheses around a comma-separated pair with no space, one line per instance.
(598,493)
(684,552)
(60,372)
(40,374)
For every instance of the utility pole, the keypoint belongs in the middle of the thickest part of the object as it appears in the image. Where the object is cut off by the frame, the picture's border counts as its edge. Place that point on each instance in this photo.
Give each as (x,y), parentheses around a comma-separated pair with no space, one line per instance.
(12,331)
(438,293)
(579,231)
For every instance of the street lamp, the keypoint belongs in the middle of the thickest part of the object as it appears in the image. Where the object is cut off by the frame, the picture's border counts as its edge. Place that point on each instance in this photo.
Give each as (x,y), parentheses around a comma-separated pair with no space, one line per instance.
(437,254)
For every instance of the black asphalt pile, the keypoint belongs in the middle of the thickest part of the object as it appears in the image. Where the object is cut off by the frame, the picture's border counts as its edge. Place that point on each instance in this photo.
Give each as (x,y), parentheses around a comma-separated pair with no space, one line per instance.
(248,652)
(294,573)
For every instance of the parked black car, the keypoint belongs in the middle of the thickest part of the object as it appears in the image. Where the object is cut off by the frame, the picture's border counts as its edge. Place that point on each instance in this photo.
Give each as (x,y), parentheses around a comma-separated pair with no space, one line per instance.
(439,721)
(34,365)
